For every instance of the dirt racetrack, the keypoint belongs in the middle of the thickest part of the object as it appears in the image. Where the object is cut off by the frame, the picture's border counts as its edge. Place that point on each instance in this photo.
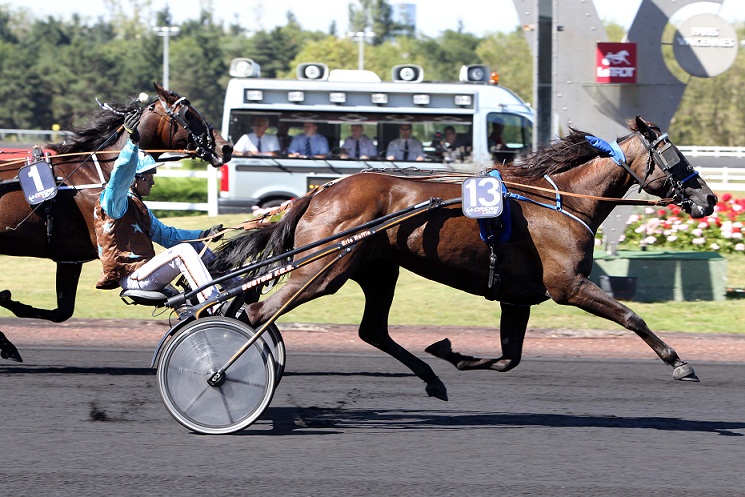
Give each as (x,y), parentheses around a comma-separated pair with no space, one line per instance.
(125,334)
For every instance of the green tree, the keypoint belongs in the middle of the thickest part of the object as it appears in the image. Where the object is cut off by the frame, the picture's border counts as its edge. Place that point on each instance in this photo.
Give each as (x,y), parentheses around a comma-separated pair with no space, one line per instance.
(509,55)
(372,15)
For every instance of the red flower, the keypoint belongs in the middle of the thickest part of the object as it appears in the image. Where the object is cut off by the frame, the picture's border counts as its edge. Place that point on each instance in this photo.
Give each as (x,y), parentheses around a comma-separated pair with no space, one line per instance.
(726,197)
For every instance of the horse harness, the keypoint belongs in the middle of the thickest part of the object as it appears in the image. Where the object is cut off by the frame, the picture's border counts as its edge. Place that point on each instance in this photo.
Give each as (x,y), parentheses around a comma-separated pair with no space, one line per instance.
(204,143)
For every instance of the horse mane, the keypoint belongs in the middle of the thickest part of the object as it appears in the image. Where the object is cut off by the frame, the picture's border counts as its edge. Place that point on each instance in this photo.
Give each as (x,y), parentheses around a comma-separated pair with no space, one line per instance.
(99,127)
(570,151)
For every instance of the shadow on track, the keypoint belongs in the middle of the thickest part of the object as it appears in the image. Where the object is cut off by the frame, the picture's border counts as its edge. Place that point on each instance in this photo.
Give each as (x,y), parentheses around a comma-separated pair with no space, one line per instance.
(307,420)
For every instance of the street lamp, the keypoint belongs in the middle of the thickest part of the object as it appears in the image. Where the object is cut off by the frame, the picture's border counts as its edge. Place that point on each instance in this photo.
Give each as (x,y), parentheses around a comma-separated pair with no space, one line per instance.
(361,36)
(166,32)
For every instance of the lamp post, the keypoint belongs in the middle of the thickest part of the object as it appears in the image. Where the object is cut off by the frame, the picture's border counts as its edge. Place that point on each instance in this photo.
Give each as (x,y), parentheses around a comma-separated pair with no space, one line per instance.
(166,32)
(361,36)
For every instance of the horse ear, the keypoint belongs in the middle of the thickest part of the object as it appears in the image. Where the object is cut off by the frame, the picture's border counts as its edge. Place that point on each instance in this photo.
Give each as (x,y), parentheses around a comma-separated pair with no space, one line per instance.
(641,126)
(159,88)
(645,129)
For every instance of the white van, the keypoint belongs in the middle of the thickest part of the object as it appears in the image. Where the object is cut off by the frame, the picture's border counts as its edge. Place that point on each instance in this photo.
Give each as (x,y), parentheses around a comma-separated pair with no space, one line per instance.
(335,100)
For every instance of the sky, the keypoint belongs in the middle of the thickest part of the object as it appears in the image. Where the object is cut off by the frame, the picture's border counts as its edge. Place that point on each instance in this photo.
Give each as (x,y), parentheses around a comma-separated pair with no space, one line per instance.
(433,16)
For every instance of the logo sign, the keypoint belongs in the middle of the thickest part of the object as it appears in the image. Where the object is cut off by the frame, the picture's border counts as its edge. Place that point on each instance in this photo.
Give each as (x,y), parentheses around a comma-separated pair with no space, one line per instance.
(616,63)
(482,197)
(37,182)
(705,45)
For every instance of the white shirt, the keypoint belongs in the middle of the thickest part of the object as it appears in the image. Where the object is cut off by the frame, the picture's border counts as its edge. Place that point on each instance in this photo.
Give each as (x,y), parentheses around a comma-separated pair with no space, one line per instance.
(367,147)
(250,144)
(398,148)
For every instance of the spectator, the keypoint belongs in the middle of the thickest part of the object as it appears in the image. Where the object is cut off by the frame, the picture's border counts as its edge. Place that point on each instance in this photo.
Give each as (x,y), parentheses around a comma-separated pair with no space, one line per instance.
(125,229)
(405,147)
(309,143)
(283,136)
(451,139)
(496,142)
(358,146)
(259,142)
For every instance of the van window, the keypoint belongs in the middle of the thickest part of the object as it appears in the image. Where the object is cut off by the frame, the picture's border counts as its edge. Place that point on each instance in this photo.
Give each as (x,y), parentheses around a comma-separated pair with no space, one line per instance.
(381,128)
(508,135)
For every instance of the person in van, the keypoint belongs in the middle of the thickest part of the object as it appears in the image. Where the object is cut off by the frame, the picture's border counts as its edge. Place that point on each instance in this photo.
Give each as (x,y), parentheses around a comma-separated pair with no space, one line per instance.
(496,142)
(259,142)
(358,146)
(309,143)
(283,135)
(405,147)
(451,140)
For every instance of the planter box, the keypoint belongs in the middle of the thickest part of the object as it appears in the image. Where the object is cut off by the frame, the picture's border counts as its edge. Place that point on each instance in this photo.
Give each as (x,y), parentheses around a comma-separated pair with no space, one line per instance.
(661,276)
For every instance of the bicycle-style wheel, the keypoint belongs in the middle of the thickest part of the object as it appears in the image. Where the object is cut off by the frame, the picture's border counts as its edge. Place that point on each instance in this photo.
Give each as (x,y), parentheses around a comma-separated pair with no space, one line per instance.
(272,337)
(194,354)
(275,343)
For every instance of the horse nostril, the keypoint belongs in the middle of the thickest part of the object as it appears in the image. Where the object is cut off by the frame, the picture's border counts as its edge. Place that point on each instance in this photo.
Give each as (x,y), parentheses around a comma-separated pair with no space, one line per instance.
(712,199)
(227,153)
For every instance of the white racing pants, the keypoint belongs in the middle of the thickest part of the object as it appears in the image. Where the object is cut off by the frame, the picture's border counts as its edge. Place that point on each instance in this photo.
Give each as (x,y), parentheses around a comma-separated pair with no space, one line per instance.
(159,271)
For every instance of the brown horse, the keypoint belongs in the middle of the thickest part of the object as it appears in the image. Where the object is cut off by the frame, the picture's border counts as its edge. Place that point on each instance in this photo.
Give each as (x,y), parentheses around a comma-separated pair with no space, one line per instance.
(61,229)
(547,256)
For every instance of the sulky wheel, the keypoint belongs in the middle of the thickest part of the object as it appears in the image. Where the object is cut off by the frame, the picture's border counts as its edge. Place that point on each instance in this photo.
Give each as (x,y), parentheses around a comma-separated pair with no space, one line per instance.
(194,354)
(275,344)
(272,337)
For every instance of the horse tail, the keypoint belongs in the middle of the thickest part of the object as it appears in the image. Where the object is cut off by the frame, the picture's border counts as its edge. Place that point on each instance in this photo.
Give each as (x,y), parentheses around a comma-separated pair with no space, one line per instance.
(263,242)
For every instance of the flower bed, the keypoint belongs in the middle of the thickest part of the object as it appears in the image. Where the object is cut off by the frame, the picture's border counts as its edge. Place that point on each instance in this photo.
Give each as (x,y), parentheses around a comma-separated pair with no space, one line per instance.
(671,229)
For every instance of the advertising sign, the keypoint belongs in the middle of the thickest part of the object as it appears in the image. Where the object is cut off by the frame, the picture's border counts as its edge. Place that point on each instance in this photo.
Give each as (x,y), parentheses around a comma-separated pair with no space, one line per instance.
(616,63)
(705,45)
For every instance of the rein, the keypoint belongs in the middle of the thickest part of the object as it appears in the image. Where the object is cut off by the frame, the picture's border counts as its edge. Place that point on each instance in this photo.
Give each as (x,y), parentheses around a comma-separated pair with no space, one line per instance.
(621,201)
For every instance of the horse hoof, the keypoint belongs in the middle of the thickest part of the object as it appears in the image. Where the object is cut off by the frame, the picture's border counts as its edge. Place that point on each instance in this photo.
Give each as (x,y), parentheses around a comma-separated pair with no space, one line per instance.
(440,349)
(4,297)
(684,372)
(8,350)
(436,388)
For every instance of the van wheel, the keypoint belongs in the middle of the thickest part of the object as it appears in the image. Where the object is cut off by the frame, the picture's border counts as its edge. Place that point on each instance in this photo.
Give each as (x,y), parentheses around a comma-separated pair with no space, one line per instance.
(273,202)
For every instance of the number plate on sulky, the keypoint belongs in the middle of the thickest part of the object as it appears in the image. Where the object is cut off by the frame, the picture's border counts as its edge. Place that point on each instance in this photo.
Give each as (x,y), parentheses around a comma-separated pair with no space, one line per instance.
(482,197)
(37,182)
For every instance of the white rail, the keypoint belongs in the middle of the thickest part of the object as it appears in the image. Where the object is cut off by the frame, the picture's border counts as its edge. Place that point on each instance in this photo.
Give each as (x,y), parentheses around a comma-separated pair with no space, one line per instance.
(702,151)
(724,179)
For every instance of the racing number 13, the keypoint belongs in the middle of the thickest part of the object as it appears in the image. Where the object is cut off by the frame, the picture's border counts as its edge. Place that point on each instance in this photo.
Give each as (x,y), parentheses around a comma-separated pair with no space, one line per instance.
(484,192)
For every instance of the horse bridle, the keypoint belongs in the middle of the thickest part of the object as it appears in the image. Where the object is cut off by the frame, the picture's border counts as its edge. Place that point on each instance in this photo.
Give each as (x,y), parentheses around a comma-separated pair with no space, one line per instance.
(662,153)
(204,143)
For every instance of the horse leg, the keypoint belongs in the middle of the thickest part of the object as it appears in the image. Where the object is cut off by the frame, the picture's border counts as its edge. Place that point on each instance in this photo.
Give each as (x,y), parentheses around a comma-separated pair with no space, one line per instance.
(378,283)
(68,275)
(589,297)
(8,350)
(512,326)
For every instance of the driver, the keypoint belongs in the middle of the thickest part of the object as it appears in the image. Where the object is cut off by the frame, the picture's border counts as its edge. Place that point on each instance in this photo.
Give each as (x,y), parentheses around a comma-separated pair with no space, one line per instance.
(126,229)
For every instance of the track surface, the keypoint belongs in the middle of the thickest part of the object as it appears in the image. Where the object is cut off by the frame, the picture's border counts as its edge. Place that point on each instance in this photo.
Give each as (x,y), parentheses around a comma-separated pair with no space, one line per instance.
(584,414)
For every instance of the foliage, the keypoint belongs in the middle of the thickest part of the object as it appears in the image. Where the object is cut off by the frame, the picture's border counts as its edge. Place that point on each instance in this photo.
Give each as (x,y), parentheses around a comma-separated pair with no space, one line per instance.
(669,228)
(509,55)
(52,70)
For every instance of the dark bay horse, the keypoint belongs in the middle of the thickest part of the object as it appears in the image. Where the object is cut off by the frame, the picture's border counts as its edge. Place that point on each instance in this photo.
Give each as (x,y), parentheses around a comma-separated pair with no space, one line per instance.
(548,255)
(61,229)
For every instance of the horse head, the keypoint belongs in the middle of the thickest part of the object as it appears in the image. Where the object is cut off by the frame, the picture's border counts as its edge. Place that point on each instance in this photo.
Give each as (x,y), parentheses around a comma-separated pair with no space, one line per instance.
(171,122)
(667,173)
